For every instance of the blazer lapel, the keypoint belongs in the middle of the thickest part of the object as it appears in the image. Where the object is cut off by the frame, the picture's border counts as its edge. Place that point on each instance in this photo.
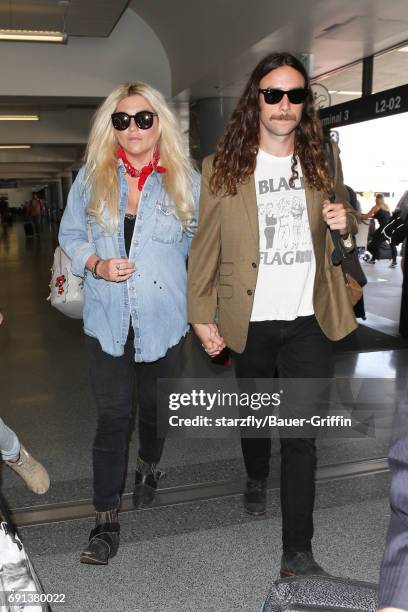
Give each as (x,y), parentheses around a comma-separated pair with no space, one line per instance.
(314,201)
(247,193)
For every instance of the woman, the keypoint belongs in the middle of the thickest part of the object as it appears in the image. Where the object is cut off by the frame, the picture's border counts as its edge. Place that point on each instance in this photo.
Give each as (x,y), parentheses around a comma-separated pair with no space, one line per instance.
(19,459)
(381,212)
(127,229)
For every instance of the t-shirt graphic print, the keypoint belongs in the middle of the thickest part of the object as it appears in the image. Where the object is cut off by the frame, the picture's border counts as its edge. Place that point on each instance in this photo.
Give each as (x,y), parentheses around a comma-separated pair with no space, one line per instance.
(287,266)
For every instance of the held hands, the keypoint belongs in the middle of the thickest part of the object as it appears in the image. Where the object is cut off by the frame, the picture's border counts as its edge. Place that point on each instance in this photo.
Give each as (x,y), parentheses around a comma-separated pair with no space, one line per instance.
(115,270)
(210,338)
(335,216)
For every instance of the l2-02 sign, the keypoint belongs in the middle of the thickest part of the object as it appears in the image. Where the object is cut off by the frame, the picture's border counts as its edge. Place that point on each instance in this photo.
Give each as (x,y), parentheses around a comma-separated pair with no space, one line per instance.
(382,104)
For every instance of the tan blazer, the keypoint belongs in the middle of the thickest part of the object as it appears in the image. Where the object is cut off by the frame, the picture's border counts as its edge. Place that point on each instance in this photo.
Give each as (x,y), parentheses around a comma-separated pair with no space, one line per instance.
(224,259)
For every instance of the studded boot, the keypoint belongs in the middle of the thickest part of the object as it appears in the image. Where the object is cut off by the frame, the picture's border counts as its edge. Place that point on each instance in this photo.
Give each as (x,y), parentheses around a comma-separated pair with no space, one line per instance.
(103,540)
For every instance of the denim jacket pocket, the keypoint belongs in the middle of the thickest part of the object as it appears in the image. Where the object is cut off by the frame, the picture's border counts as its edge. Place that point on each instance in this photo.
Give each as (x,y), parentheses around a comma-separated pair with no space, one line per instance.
(167,227)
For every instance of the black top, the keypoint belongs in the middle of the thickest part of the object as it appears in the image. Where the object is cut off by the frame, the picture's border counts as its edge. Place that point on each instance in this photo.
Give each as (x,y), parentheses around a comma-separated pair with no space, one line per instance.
(383,217)
(128,230)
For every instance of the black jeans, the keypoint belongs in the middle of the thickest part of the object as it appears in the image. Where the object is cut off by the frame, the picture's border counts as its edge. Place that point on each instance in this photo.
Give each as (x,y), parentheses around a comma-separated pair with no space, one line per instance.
(377,240)
(298,349)
(112,381)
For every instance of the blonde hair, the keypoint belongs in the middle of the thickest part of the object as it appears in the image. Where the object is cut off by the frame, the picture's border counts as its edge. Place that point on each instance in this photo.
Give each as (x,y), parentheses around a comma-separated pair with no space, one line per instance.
(382,204)
(101,162)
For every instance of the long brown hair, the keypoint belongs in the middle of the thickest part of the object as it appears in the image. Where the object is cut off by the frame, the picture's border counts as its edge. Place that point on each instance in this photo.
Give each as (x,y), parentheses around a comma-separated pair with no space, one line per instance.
(235,157)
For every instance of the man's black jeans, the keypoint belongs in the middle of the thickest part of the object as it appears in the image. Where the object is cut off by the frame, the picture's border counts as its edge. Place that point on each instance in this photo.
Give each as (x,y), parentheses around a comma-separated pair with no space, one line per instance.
(298,349)
(113,380)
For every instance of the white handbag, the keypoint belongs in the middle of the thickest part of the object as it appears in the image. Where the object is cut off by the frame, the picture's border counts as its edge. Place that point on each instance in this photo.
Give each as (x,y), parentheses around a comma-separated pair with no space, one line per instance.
(20,587)
(66,289)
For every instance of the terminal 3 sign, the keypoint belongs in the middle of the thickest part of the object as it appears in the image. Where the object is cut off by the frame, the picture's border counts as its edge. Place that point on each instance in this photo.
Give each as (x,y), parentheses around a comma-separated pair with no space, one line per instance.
(382,104)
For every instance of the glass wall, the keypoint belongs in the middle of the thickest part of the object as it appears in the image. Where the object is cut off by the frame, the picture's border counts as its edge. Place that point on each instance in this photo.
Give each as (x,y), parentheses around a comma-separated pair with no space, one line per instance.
(390,69)
(344,85)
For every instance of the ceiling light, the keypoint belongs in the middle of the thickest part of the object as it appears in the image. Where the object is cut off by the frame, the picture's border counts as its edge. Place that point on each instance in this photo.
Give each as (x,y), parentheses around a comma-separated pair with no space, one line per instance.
(33,36)
(19,118)
(15,146)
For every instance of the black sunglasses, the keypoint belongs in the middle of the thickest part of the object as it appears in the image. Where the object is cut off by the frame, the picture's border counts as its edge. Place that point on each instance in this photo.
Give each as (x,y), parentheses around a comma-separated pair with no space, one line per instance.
(273,96)
(143,120)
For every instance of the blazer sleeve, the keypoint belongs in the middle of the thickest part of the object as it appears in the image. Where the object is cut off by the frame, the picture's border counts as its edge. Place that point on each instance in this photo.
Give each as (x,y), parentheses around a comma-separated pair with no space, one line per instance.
(204,256)
(342,194)
(393,589)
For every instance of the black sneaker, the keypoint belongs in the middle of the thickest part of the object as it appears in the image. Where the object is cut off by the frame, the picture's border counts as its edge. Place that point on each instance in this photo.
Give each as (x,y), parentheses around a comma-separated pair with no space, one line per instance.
(255,497)
(146,482)
(300,564)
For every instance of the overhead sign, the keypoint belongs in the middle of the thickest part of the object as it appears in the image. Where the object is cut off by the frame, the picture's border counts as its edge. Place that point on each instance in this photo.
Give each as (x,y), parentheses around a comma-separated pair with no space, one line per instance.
(382,104)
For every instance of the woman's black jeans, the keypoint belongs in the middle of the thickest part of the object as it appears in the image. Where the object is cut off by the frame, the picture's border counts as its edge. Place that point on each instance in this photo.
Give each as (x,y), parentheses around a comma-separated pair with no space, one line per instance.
(113,381)
(298,349)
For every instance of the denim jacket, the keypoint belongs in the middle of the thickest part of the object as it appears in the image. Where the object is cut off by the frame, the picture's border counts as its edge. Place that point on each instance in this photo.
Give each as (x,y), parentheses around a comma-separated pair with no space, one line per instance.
(153,299)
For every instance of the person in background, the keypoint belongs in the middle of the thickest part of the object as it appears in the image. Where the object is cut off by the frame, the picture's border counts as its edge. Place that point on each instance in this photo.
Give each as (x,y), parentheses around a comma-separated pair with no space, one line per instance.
(402,206)
(381,212)
(35,213)
(127,228)
(19,459)
(354,201)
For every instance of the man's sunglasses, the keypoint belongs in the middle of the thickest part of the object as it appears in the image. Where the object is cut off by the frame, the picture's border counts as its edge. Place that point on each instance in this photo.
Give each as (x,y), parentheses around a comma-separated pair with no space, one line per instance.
(143,120)
(273,96)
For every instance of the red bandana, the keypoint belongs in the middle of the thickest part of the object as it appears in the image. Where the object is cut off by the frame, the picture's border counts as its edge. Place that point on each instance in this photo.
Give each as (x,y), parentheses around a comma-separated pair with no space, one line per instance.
(145,171)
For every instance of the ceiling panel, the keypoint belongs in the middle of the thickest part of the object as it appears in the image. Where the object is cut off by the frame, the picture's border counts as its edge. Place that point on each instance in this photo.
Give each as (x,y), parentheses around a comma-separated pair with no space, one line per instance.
(83,17)
(212,44)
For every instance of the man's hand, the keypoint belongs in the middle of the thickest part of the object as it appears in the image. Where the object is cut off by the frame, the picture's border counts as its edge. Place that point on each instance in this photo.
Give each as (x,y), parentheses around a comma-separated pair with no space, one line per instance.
(210,338)
(335,216)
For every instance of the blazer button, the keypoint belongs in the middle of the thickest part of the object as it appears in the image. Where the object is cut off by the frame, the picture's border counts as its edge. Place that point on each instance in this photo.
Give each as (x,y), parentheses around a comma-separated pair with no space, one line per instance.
(253,264)
(249,291)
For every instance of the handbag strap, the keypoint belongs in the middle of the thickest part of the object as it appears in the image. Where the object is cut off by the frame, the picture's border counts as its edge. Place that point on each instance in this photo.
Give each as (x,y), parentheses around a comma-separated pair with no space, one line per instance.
(339,252)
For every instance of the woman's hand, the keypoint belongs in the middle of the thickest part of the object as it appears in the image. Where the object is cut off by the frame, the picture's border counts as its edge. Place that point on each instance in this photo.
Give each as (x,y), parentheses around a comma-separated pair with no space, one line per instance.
(115,270)
(210,338)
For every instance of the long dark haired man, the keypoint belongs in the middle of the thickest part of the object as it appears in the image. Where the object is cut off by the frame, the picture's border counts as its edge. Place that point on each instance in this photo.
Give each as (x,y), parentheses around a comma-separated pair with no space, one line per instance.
(280,302)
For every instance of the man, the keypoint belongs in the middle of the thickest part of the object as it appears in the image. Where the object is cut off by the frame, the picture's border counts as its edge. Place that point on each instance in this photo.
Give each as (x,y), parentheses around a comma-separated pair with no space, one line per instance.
(279,304)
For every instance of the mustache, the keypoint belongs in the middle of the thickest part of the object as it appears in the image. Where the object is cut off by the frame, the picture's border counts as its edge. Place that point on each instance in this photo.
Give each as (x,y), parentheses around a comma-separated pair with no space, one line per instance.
(282,115)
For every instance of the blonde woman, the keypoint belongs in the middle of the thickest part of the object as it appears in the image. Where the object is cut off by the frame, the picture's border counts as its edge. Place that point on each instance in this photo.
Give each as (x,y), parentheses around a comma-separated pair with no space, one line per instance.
(381,212)
(127,228)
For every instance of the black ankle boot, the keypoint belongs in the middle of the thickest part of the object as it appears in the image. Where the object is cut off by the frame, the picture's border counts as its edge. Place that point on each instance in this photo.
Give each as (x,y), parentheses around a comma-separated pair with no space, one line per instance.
(300,564)
(103,540)
(255,497)
(146,482)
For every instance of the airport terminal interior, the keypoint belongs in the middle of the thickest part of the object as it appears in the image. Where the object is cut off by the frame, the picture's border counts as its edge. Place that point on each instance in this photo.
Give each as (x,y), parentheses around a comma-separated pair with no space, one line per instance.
(195,550)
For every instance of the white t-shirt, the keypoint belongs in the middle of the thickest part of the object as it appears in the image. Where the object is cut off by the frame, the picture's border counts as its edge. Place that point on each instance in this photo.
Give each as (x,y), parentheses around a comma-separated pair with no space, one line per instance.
(287,265)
